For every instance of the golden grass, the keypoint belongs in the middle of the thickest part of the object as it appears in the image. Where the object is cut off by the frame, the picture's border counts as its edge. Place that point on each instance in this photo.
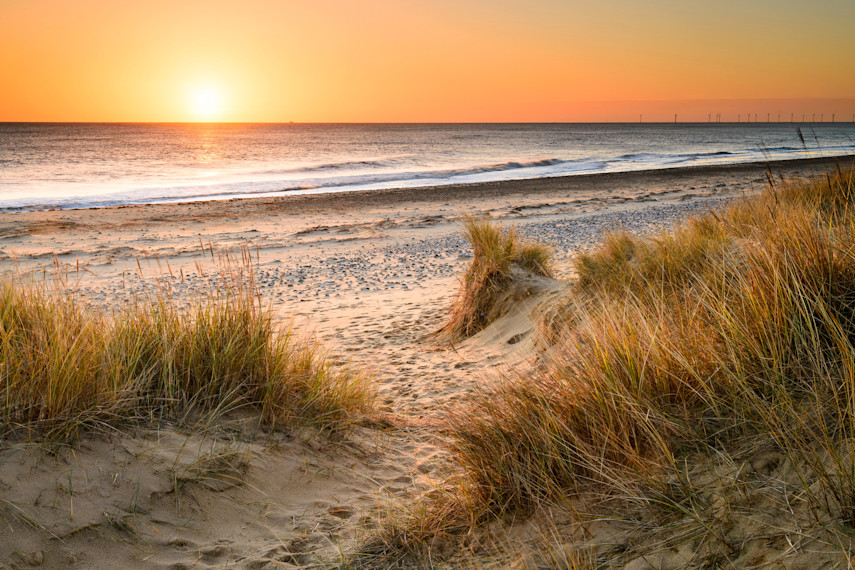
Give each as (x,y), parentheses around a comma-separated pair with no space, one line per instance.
(65,366)
(500,260)
(739,324)
(683,357)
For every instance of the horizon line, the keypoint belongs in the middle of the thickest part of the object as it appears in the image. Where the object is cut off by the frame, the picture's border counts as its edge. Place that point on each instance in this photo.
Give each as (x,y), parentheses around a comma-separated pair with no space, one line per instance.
(708,122)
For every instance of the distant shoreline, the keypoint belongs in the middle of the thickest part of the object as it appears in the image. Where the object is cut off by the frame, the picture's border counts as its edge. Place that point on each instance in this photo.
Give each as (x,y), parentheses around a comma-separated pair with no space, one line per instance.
(604,181)
(491,189)
(558,184)
(68,167)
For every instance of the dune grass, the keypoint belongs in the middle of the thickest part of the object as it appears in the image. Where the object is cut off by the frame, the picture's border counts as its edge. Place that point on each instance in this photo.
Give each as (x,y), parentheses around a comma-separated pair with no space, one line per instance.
(500,259)
(685,358)
(66,366)
(737,326)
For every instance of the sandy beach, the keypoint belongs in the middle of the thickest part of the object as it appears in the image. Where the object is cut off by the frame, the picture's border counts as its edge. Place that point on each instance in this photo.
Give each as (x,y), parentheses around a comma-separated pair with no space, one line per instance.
(370,275)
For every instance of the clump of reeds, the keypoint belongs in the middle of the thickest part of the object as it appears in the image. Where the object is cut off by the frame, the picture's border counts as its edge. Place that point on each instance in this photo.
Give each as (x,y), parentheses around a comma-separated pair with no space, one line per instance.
(65,365)
(734,332)
(501,262)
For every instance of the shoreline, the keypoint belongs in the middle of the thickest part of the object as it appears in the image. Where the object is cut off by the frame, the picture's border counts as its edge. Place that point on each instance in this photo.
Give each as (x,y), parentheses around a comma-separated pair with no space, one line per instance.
(108,241)
(417,194)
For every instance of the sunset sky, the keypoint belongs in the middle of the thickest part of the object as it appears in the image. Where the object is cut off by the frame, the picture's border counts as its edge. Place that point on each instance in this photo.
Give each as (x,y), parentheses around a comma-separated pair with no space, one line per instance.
(425,60)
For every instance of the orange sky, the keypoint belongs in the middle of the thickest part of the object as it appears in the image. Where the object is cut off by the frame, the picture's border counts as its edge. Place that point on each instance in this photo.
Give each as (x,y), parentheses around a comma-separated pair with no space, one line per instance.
(424,60)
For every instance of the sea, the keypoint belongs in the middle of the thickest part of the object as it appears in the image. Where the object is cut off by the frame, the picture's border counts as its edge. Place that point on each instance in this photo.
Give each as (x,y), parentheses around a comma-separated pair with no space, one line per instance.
(76,165)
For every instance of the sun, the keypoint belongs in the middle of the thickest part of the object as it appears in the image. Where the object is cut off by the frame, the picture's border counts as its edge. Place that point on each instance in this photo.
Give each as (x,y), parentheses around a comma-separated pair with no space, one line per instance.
(206,103)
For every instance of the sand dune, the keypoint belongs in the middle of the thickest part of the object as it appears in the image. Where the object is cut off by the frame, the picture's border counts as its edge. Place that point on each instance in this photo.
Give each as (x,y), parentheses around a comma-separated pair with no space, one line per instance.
(371,276)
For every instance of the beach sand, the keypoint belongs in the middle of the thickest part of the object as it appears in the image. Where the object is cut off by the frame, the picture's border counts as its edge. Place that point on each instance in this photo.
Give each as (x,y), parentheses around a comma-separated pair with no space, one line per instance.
(371,276)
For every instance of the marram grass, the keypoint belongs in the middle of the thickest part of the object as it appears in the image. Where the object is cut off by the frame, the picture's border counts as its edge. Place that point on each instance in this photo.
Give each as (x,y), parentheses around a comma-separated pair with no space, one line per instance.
(680,363)
(500,259)
(738,326)
(65,366)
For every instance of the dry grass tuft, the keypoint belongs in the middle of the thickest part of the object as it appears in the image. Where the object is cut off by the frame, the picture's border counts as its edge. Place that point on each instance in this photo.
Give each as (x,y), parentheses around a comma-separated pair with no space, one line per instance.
(501,262)
(218,470)
(65,366)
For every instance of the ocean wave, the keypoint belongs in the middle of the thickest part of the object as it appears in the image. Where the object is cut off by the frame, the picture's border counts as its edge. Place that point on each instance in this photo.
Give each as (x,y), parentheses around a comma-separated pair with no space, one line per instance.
(371,165)
(510,165)
(780,148)
(667,156)
(260,188)
(103,185)
(336,166)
